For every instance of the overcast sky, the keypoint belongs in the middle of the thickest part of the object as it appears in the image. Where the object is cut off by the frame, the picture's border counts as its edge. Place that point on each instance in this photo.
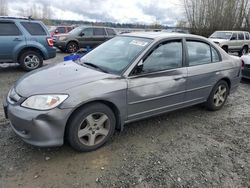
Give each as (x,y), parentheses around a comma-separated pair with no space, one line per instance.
(165,12)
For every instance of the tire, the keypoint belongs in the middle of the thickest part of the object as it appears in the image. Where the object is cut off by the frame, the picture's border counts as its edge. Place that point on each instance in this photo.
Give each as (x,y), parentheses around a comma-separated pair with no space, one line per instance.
(72,47)
(225,48)
(218,96)
(30,60)
(91,127)
(244,51)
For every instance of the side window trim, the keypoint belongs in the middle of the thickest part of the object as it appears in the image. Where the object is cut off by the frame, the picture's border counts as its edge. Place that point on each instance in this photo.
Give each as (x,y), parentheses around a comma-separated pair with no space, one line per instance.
(182,40)
(197,40)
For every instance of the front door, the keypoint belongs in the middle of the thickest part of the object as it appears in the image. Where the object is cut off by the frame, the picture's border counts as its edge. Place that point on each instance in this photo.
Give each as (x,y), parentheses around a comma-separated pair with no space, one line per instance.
(10,37)
(160,84)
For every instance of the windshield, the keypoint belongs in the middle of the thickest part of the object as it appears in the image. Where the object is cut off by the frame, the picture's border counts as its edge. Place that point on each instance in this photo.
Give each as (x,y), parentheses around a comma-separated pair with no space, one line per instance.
(76,31)
(116,54)
(221,35)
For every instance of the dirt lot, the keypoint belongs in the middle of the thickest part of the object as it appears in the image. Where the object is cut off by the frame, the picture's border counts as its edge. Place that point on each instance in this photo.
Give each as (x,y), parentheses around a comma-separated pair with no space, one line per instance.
(186,148)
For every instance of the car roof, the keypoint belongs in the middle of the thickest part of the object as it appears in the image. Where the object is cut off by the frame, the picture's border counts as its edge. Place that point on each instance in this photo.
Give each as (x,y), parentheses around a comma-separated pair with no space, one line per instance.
(92,26)
(232,31)
(160,35)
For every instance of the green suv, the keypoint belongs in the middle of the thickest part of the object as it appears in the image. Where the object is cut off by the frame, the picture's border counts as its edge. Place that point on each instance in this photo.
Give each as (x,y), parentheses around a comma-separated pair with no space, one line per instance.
(25,41)
(83,37)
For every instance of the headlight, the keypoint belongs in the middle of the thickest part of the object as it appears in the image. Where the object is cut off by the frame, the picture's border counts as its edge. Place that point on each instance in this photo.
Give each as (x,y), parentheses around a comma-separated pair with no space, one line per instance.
(44,102)
(62,38)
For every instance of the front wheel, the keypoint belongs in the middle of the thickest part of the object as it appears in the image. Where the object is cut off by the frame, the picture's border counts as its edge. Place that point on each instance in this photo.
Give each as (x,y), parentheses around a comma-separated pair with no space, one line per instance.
(30,60)
(91,127)
(218,96)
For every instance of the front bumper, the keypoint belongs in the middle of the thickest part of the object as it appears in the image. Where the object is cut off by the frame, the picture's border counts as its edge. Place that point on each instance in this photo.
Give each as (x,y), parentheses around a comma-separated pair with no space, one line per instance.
(246,72)
(38,128)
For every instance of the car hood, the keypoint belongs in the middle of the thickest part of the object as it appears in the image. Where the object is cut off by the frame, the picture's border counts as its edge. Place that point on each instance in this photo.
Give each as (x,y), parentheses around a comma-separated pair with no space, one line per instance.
(218,40)
(57,79)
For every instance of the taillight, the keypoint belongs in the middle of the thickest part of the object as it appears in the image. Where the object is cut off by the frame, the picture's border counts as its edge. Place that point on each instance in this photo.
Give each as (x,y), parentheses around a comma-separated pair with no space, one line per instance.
(50,41)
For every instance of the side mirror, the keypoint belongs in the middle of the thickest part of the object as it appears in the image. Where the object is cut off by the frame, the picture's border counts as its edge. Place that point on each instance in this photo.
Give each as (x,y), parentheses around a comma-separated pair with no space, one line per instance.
(139,68)
(82,34)
(56,31)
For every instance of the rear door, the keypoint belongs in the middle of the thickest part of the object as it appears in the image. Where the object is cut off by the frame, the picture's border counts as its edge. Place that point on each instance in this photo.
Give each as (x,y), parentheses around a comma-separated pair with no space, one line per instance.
(100,36)
(203,70)
(233,43)
(10,40)
(241,40)
(35,32)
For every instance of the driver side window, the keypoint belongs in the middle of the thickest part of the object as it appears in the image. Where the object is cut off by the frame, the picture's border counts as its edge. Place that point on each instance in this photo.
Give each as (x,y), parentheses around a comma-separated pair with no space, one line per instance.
(167,55)
(88,32)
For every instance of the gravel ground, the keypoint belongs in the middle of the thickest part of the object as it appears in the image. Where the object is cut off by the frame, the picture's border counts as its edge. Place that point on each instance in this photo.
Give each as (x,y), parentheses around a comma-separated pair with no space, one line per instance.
(186,148)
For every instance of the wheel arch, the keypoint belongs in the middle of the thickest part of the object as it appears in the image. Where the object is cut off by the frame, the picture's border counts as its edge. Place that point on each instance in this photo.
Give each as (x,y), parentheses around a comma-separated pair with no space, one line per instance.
(111,105)
(72,40)
(227,80)
(29,49)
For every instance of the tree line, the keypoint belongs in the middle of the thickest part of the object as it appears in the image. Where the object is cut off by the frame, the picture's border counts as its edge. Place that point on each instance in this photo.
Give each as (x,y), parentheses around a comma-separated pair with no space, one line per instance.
(206,16)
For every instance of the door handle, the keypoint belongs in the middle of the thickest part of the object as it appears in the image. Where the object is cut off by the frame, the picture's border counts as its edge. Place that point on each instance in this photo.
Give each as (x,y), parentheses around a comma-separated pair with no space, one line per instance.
(17,39)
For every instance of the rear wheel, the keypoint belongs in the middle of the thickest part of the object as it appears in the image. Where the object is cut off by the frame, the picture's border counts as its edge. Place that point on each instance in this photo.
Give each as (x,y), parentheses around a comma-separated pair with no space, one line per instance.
(91,127)
(72,47)
(30,60)
(218,96)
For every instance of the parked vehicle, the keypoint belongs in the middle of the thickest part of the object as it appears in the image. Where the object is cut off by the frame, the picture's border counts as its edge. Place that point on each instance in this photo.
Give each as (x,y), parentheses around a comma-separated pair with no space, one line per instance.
(130,77)
(60,30)
(246,66)
(83,37)
(25,41)
(232,41)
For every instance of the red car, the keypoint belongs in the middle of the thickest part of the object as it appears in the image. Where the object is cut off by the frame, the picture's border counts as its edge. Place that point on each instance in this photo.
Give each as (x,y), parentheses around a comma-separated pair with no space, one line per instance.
(60,30)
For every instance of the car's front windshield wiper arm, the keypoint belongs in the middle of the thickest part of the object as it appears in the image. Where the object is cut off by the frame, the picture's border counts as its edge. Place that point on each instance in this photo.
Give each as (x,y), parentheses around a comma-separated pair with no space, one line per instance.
(95,66)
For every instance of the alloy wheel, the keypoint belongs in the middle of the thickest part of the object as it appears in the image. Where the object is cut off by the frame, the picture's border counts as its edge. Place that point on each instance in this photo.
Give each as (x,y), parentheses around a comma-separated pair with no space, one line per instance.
(220,95)
(94,129)
(31,61)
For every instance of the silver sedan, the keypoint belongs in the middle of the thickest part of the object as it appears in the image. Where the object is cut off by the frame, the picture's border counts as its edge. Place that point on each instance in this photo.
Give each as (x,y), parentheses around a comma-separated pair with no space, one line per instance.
(128,78)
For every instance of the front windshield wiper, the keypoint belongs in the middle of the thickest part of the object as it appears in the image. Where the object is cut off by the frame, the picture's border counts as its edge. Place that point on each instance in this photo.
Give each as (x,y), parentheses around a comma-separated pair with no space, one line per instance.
(95,66)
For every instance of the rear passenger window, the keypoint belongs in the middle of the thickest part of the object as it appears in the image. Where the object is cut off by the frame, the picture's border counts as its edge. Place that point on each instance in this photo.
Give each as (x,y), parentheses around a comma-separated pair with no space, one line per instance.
(241,36)
(198,53)
(99,31)
(34,28)
(8,29)
(110,31)
(247,36)
(215,55)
